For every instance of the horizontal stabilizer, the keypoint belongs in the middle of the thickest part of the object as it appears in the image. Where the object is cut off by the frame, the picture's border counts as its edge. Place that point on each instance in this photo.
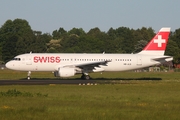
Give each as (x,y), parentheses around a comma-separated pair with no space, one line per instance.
(163,58)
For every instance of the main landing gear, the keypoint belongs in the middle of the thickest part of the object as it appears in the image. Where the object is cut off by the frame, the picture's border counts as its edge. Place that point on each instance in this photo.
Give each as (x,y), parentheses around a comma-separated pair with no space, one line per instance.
(29,75)
(85,76)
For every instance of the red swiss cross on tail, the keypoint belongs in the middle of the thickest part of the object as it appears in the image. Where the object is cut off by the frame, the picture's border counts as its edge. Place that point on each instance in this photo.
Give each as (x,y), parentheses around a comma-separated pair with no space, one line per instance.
(157,45)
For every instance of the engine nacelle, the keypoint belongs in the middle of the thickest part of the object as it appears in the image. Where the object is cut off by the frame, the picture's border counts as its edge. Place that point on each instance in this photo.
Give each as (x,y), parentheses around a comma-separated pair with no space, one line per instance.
(64,72)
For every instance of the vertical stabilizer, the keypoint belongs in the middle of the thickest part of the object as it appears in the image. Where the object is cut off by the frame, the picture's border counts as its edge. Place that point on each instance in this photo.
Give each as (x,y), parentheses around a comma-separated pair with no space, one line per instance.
(157,45)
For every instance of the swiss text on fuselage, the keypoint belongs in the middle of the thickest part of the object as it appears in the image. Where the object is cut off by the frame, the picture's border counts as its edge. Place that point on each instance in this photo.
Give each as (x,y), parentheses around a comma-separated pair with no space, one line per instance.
(42,59)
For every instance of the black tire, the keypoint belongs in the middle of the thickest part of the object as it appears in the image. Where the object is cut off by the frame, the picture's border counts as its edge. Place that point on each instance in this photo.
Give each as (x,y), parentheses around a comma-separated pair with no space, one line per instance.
(87,77)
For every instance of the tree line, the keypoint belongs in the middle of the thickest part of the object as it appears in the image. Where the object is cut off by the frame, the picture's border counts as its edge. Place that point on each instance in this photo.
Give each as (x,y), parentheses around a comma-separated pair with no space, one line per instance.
(17,37)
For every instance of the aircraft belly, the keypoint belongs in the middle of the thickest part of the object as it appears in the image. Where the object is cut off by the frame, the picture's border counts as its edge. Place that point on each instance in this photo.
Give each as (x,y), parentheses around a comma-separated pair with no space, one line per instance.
(121,66)
(38,67)
(47,67)
(112,67)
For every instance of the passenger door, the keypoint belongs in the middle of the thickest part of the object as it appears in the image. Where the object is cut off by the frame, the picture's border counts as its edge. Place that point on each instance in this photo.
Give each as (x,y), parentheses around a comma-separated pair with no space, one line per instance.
(28,60)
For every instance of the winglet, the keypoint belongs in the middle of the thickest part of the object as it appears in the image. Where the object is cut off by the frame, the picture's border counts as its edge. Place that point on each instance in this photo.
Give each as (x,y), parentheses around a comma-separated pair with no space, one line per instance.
(157,45)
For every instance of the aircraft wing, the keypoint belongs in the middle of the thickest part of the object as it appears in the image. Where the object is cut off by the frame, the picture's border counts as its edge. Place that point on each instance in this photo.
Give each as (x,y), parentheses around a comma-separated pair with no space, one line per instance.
(89,65)
(92,64)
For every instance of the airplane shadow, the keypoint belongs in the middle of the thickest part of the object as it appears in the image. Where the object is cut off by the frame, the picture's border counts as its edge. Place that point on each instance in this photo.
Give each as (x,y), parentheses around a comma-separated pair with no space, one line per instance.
(142,78)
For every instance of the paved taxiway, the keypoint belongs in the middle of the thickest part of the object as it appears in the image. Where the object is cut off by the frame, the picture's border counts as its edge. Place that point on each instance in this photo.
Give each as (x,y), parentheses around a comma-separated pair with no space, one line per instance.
(70,81)
(45,82)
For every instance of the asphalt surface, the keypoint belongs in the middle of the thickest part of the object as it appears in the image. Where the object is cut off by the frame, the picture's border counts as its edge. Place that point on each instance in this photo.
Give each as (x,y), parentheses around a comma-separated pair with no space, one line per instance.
(46,82)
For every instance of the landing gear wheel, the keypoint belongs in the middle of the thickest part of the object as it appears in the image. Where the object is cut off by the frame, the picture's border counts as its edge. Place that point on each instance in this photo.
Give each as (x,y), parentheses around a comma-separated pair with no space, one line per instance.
(86,77)
(28,77)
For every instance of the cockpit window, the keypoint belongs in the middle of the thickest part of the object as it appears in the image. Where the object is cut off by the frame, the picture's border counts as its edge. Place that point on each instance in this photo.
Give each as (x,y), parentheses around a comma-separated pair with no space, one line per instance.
(17,59)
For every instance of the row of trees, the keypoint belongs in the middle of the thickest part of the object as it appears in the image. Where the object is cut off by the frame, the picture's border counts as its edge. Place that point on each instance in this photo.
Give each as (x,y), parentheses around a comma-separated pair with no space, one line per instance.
(17,37)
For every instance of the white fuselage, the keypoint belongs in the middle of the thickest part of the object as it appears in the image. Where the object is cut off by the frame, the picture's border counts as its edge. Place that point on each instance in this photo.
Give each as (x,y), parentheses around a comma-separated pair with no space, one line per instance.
(51,62)
(66,65)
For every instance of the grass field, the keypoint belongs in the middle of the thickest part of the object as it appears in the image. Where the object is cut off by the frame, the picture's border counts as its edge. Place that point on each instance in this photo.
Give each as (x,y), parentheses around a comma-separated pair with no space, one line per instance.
(126,100)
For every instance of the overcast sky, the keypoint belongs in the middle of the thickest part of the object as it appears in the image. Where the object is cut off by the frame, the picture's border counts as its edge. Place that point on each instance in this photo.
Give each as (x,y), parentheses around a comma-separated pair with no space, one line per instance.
(50,15)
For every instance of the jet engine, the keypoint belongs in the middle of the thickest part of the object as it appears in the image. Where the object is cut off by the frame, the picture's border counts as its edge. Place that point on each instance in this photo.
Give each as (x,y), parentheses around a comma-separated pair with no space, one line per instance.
(64,72)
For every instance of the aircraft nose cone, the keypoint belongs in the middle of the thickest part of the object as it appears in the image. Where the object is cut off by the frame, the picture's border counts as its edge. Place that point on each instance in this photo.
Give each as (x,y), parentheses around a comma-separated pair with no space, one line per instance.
(7,65)
(12,65)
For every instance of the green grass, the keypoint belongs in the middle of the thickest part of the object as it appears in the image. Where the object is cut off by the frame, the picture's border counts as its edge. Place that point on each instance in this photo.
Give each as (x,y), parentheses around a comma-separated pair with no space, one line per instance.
(119,101)
(132,100)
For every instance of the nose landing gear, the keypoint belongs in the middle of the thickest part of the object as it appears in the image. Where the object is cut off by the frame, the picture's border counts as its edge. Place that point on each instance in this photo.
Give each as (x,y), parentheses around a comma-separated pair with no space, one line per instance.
(29,75)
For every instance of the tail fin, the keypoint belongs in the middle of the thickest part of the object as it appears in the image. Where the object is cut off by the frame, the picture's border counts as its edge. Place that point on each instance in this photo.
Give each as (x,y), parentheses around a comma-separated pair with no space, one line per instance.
(157,45)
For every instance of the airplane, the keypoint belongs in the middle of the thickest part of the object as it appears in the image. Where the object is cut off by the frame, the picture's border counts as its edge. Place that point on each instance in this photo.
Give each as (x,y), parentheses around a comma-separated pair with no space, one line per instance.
(67,65)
